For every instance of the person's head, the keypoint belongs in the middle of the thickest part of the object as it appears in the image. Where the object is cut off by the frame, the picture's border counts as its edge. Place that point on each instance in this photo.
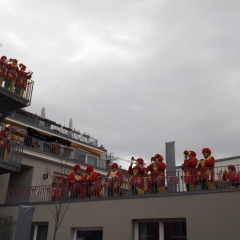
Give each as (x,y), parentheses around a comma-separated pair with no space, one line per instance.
(192,154)
(159,158)
(14,62)
(231,168)
(61,179)
(206,152)
(4,58)
(22,67)
(77,168)
(89,170)
(140,161)
(114,166)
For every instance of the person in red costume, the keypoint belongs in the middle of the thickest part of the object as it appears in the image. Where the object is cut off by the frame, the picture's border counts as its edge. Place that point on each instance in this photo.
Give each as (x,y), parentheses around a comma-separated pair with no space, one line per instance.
(75,180)
(231,176)
(58,189)
(154,173)
(138,180)
(114,181)
(161,175)
(10,75)
(206,170)
(189,168)
(93,183)
(2,69)
(5,146)
(21,80)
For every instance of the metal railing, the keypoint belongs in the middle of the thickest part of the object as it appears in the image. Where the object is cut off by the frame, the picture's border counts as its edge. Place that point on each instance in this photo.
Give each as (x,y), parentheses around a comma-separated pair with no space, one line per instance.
(175,182)
(60,151)
(10,154)
(22,93)
(5,226)
(36,121)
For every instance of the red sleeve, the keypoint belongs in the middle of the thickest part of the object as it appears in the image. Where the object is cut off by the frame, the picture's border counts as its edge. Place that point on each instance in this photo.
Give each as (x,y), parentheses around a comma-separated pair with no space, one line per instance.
(94,176)
(130,169)
(191,163)
(70,178)
(209,162)
(161,166)
(108,174)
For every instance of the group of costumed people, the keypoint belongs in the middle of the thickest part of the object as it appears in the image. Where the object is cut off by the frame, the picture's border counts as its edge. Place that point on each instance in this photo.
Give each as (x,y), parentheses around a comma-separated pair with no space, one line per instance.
(201,172)
(89,185)
(144,178)
(14,77)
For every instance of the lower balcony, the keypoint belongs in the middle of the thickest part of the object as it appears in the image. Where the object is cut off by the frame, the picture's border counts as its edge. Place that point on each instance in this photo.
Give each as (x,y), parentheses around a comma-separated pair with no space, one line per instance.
(174,183)
(10,155)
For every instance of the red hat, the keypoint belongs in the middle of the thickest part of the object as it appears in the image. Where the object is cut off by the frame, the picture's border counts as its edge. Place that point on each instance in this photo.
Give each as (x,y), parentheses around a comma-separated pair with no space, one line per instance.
(14,60)
(22,66)
(115,165)
(61,178)
(192,153)
(207,150)
(140,160)
(89,169)
(3,57)
(76,167)
(158,156)
(231,167)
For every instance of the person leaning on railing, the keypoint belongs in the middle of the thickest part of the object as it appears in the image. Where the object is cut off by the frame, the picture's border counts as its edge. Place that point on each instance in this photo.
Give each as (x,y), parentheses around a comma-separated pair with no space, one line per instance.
(58,188)
(231,176)
(75,180)
(93,183)
(138,180)
(189,168)
(206,170)
(114,181)
(154,172)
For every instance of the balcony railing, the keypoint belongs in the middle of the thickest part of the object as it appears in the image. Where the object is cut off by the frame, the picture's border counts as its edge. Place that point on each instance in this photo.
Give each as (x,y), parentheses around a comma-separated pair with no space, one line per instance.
(22,94)
(48,125)
(174,182)
(10,155)
(62,152)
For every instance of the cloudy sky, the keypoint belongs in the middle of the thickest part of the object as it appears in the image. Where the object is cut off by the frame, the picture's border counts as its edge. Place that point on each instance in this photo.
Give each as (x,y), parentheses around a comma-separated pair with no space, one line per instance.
(133,73)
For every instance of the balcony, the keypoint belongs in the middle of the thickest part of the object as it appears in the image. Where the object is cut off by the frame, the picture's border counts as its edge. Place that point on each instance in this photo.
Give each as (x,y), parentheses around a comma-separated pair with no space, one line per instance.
(36,121)
(62,152)
(11,101)
(173,183)
(10,155)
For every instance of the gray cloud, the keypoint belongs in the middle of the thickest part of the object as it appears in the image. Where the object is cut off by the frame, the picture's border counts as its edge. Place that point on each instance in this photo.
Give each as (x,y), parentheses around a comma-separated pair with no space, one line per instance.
(133,74)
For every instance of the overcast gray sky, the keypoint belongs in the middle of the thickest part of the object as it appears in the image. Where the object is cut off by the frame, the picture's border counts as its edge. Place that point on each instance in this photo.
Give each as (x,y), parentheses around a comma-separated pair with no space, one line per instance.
(133,73)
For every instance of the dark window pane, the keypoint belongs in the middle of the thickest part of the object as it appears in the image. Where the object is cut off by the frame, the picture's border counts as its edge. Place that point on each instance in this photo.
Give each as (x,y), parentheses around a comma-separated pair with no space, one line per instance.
(148,231)
(42,232)
(92,160)
(89,235)
(179,229)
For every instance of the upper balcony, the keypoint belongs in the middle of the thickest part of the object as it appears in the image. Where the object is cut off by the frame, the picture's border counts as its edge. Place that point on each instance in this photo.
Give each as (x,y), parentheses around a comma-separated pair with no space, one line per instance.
(12,99)
(62,152)
(38,122)
(10,155)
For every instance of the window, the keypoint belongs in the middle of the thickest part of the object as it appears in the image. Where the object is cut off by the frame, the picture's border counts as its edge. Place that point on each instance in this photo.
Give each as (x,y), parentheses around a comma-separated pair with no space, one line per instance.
(39,231)
(92,161)
(179,230)
(148,230)
(88,234)
(80,156)
(160,230)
